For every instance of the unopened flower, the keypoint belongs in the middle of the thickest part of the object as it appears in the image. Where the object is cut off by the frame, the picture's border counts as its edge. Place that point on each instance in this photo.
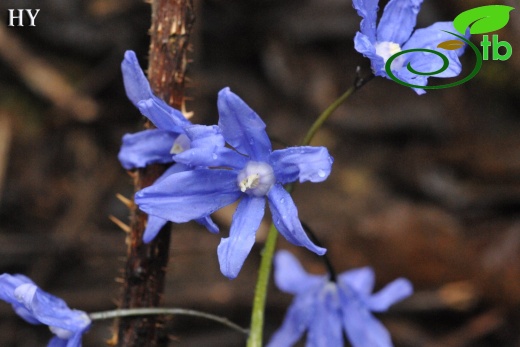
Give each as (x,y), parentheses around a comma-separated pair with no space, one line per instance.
(326,309)
(250,171)
(157,146)
(38,307)
(393,34)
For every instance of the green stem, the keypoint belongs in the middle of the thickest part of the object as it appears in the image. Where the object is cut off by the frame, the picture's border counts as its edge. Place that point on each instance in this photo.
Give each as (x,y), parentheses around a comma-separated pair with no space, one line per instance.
(154,311)
(358,83)
(258,312)
(257,315)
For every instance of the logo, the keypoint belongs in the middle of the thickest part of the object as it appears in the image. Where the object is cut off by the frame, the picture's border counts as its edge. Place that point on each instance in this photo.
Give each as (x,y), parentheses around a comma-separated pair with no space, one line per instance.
(480,20)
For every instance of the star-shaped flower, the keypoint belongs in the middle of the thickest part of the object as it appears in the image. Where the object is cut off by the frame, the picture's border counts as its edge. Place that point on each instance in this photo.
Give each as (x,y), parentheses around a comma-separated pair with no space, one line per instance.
(393,34)
(326,308)
(250,171)
(157,146)
(38,307)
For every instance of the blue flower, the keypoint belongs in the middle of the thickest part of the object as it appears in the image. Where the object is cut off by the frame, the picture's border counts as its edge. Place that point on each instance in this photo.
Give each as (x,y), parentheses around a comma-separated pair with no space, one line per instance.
(153,145)
(157,146)
(394,34)
(250,171)
(326,308)
(38,307)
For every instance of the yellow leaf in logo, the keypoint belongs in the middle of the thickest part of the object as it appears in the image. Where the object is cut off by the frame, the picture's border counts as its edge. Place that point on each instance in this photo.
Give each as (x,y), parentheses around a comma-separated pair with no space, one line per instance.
(451,45)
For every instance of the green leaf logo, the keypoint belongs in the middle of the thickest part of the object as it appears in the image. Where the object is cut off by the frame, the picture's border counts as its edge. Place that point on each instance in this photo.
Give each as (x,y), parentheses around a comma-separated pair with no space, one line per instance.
(483,19)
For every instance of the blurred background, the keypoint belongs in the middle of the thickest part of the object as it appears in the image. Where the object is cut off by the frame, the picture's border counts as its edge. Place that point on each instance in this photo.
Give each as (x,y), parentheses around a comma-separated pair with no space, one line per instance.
(424,187)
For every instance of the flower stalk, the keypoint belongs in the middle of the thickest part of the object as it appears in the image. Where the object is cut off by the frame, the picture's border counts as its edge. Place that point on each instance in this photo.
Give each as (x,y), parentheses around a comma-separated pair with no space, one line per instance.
(156,311)
(264,271)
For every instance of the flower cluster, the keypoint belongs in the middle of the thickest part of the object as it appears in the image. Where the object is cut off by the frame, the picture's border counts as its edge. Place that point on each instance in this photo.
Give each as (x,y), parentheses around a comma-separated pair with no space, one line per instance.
(393,34)
(326,308)
(216,166)
(38,307)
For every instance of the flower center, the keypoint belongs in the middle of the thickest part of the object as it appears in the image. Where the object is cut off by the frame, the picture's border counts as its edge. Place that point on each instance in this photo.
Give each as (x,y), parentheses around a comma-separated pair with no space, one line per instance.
(182,143)
(386,49)
(256,178)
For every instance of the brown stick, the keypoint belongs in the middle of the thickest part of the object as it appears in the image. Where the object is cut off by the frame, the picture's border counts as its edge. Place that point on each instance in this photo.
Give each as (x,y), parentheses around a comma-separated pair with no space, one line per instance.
(145,269)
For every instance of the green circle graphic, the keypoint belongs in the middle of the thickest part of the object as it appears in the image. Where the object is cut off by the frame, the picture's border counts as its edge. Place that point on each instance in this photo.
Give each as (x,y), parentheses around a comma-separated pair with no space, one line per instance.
(445,64)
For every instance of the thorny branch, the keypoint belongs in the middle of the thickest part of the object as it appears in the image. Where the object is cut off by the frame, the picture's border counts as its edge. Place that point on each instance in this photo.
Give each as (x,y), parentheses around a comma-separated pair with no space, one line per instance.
(145,269)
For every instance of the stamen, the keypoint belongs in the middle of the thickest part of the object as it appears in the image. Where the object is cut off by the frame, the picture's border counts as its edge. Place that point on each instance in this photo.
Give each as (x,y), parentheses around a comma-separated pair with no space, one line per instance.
(250,182)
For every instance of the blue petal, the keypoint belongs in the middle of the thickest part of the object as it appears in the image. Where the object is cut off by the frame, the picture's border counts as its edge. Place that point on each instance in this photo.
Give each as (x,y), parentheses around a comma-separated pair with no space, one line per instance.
(361,280)
(146,147)
(208,223)
(189,195)
(398,20)
(363,45)
(326,328)
(408,77)
(136,85)
(367,9)
(75,340)
(285,218)
(51,310)
(205,136)
(175,168)
(431,36)
(395,291)
(426,62)
(290,276)
(361,327)
(140,94)
(153,226)
(242,127)
(212,157)
(233,251)
(167,119)
(8,284)
(297,320)
(303,163)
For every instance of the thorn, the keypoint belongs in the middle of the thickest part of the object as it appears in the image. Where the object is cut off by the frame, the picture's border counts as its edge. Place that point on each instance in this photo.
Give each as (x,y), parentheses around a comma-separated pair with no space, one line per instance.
(119,223)
(127,202)
(112,341)
(186,114)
